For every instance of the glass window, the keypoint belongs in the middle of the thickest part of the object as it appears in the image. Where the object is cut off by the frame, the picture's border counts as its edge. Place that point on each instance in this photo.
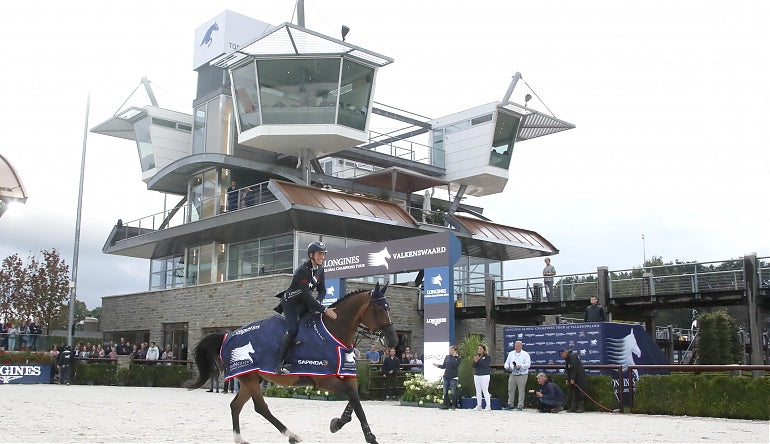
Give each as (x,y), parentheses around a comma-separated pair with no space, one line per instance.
(163,122)
(211,194)
(503,139)
(144,144)
(298,91)
(175,336)
(354,93)
(199,130)
(195,199)
(193,255)
(481,119)
(437,157)
(220,125)
(166,272)
(221,263)
(246,96)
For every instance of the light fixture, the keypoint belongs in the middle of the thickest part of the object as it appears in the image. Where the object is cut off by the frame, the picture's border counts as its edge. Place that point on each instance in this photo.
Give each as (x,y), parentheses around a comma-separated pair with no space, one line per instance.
(345,31)
(527,98)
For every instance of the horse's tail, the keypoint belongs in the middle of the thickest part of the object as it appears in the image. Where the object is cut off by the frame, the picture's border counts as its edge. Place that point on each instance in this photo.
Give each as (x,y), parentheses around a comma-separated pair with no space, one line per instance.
(207,358)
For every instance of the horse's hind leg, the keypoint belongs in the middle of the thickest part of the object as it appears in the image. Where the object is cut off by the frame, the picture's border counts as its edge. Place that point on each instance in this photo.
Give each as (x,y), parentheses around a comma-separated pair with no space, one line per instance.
(261,407)
(236,405)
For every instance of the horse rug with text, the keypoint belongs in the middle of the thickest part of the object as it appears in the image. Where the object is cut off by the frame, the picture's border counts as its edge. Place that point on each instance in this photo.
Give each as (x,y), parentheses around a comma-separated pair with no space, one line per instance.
(254,348)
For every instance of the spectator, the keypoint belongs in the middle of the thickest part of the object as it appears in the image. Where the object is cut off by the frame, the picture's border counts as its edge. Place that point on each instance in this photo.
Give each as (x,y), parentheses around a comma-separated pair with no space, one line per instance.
(124,347)
(214,381)
(373,355)
(152,353)
(577,380)
(34,331)
(12,332)
(594,312)
(550,397)
(3,336)
(250,199)
(548,273)
(517,363)
(450,366)
(481,363)
(167,355)
(416,362)
(232,197)
(390,367)
(55,355)
(24,333)
(113,354)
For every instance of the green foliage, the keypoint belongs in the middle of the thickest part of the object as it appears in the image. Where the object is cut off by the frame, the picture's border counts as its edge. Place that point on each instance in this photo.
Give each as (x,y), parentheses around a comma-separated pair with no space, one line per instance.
(278,391)
(466,350)
(25,357)
(718,341)
(96,374)
(703,395)
(152,375)
(363,376)
(418,389)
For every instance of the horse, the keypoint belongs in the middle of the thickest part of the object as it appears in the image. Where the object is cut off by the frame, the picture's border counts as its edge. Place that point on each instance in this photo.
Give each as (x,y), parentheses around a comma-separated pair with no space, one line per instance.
(364,308)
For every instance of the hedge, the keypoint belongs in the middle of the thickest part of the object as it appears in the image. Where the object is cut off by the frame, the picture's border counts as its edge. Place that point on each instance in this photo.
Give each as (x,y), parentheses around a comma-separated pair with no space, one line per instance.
(703,395)
(134,375)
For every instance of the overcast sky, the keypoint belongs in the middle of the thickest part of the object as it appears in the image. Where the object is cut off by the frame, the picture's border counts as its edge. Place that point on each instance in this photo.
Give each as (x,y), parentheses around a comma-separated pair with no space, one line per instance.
(670,100)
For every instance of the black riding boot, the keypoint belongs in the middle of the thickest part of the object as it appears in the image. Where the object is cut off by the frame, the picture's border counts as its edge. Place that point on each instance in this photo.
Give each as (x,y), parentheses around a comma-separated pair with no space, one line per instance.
(283,366)
(580,405)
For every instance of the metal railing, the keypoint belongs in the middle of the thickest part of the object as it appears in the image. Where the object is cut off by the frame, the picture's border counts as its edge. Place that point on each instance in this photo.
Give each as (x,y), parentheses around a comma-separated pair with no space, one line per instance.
(403,149)
(569,287)
(198,210)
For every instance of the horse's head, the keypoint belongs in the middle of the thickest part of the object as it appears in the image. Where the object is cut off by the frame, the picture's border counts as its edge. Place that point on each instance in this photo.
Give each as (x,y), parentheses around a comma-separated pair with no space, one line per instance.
(377,316)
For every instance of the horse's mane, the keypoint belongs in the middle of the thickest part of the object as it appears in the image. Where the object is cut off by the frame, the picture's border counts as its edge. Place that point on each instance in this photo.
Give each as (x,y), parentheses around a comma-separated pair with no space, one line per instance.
(342,298)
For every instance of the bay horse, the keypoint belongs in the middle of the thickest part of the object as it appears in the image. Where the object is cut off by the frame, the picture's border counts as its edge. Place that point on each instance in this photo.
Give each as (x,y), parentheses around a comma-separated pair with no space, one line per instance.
(364,308)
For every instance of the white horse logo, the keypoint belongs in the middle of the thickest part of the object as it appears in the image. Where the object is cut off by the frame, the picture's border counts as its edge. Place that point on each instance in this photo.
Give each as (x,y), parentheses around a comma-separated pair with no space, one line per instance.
(379,258)
(621,351)
(349,357)
(242,353)
(436,280)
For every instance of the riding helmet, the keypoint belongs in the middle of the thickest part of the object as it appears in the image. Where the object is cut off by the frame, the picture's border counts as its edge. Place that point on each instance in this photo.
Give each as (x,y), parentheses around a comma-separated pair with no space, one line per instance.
(315,247)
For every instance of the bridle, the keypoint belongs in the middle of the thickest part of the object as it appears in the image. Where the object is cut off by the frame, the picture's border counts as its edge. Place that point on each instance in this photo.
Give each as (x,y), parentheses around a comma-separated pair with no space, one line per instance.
(363,332)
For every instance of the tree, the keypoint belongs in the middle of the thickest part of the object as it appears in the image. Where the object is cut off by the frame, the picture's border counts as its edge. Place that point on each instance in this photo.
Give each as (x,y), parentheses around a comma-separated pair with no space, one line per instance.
(61,320)
(718,341)
(13,278)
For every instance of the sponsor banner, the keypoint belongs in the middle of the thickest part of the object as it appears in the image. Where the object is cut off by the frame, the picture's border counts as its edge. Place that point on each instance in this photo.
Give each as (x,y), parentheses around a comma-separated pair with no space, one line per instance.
(595,342)
(438,322)
(25,374)
(437,285)
(334,289)
(434,352)
(414,253)
(224,34)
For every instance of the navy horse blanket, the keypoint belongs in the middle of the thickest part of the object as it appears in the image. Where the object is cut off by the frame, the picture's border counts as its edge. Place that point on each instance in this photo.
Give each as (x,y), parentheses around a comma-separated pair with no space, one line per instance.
(254,348)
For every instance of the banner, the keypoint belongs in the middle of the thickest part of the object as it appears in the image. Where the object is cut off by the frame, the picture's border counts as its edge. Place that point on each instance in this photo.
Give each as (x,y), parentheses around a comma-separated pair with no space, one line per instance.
(25,374)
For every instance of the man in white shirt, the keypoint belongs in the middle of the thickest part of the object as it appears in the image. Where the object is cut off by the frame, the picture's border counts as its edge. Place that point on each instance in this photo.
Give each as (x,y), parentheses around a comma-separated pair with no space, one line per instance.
(517,363)
(153,353)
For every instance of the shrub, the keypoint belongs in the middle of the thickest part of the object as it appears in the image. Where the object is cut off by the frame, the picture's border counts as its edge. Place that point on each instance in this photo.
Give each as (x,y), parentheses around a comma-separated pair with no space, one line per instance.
(418,389)
(278,391)
(363,376)
(99,374)
(25,357)
(467,349)
(156,375)
(718,341)
(703,395)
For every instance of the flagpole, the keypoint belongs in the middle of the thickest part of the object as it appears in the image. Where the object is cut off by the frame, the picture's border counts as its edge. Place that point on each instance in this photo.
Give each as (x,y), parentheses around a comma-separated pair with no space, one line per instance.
(76,253)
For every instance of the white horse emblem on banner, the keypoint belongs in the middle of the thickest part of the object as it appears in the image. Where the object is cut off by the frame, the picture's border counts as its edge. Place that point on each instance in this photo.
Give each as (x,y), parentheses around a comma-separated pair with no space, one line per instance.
(242,353)
(621,351)
(379,258)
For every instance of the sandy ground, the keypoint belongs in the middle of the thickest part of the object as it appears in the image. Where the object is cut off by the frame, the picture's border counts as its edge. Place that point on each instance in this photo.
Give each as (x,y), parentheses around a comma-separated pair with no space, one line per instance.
(52,413)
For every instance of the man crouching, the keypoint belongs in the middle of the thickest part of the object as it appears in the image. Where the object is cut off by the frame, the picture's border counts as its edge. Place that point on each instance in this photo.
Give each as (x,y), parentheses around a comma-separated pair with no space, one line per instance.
(550,397)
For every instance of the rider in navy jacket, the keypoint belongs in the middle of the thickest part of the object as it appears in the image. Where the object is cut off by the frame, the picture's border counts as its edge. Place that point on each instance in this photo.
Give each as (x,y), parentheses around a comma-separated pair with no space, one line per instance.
(298,298)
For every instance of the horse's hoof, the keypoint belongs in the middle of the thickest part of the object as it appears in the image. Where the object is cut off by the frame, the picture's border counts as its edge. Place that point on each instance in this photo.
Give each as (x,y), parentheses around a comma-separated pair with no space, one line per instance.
(334,426)
(371,439)
(293,441)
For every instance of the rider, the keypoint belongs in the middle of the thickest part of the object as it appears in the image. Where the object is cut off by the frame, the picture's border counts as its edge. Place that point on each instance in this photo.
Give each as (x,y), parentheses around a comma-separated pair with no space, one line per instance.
(298,298)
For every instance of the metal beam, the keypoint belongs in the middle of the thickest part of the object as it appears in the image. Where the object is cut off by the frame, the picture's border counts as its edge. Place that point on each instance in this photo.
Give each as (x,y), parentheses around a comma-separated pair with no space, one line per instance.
(399,117)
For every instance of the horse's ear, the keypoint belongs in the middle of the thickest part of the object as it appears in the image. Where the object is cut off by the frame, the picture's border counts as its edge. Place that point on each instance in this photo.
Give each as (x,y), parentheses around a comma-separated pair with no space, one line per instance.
(376,291)
(385,288)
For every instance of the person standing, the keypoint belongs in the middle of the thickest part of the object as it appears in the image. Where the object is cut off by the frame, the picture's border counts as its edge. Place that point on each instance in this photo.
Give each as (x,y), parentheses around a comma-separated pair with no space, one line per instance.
(517,363)
(12,332)
(577,380)
(548,273)
(481,363)
(390,366)
(152,353)
(549,397)
(451,365)
(373,355)
(594,312)
(232,197)
(64,361)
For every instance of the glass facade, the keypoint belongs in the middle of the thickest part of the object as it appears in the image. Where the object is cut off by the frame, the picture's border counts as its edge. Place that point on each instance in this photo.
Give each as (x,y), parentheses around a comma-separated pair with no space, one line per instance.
(503,139)
(214,127)
(144,144)
(267,255)
(207,196)
(166,272)
(303,91)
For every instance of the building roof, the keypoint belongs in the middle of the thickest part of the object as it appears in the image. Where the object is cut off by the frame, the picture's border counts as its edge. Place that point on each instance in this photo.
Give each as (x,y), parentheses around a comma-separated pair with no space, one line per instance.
(400,179)
(513,243)
(11,188)
(534,123)
(289,39)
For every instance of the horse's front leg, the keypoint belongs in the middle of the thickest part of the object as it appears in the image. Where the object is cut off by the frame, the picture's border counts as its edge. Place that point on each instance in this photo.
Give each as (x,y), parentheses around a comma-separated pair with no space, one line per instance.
(338,423)
(368,435)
